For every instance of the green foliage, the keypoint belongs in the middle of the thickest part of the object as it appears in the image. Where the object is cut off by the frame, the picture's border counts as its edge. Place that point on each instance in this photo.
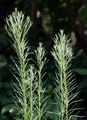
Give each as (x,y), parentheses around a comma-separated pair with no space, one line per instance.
(30,100)
(41,99)
(17,28)
(65,84)
(58,20)
(28,80)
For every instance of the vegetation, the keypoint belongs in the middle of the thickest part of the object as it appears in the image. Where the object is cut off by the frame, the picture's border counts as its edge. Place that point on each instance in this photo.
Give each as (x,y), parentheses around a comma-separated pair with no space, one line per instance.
(30,95)
(47,20)
(28,80)
(65,83)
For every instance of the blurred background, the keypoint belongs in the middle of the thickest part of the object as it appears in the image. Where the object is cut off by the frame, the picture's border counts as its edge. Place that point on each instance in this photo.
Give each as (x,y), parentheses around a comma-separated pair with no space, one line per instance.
(48,17)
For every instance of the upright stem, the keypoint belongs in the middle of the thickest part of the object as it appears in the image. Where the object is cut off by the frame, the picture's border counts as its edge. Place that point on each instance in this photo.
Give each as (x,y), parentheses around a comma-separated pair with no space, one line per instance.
(40,57)
(39,93)
(31,96)
(23,71)
(17,27)
(62,53)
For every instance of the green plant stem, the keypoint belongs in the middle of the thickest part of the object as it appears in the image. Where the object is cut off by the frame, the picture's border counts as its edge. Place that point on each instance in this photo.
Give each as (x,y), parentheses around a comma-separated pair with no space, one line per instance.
(31,98)
(23,77)
(40,57)
(17,28)
(31,106)
(64,89)
(39,93)
(62,53)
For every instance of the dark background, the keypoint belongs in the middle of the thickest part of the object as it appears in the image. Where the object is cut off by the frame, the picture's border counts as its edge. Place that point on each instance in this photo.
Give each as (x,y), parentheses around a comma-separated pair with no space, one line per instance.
(48,17)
